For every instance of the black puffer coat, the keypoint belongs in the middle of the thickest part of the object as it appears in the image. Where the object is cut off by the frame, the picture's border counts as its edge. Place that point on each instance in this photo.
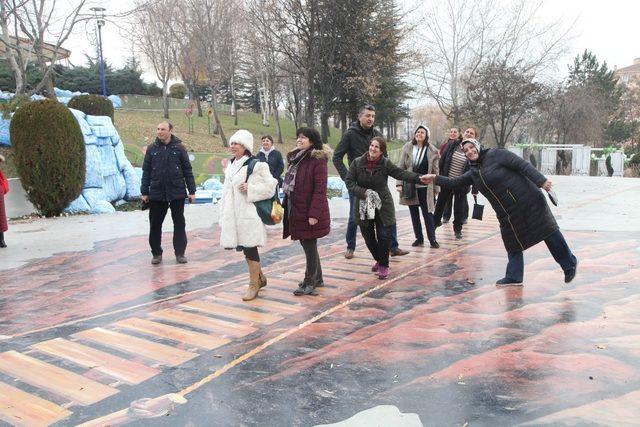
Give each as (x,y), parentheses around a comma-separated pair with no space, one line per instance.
(359,180)
(354,143)
(165,171)
(511,185)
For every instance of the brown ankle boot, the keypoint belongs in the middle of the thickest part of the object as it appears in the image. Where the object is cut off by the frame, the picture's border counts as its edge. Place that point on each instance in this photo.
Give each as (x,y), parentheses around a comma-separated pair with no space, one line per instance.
(262,278)
(254,281)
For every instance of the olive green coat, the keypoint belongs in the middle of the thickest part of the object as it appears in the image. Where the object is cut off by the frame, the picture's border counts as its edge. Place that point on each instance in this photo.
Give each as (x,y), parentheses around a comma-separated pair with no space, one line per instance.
(359,180)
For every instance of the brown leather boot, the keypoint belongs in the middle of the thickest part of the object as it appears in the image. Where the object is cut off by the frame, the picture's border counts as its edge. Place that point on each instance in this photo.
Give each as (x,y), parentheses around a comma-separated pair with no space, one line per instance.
(262,279)
(254,281)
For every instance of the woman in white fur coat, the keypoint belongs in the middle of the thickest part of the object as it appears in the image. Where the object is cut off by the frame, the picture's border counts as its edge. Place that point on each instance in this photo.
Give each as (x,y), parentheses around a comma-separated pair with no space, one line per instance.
(240,226)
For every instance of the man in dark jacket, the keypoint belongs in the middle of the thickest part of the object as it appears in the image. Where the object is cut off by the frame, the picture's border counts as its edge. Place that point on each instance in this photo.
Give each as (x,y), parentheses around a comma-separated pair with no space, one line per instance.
(273,157)
(354,143)
(165,171)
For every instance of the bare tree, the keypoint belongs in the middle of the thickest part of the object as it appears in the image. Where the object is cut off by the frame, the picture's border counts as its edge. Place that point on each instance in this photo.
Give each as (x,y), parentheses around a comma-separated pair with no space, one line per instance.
(209,19)
(151,36)
(24,25)
(458,36)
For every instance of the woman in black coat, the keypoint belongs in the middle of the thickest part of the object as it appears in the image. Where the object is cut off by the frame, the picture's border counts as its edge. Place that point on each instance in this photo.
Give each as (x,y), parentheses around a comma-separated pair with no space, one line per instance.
(512,187)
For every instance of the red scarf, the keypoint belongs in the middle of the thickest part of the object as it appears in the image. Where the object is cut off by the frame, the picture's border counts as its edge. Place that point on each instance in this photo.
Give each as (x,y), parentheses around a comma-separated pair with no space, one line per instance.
(372,163)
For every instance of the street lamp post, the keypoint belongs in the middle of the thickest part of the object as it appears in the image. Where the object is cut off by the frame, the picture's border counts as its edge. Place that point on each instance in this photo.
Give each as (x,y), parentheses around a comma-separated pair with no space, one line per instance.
(99,12)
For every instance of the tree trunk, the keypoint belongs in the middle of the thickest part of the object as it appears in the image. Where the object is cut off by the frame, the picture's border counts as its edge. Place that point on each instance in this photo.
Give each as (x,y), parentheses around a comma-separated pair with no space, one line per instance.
(324,126)
(214,107)
(343,121)
(165,99)
(311,106)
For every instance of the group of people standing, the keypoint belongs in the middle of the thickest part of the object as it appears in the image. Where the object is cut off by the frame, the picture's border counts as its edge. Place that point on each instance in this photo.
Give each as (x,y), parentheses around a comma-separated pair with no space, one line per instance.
(428,181)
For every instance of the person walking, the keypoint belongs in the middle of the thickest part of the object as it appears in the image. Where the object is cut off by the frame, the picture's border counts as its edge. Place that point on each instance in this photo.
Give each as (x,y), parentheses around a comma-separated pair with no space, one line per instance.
(422,157)
(453,164)
(354,143)
(240,226)
(165,172)
(374,209)
(306,208)
(512,186)
(4,189)
(269,154)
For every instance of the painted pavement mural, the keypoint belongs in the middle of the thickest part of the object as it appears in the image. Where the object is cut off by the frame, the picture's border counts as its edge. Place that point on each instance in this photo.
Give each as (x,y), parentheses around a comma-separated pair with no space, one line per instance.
(100,337)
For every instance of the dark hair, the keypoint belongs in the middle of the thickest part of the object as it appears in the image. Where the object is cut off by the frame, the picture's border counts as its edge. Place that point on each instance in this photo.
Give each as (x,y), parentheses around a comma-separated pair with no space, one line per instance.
(383,144)
(426,140)
(247,153)
(313,135)
(169,124)
(366,107)
(269,137)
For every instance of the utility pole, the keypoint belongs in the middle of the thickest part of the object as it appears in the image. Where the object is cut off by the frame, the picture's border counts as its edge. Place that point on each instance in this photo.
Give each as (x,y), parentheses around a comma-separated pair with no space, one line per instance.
(99,12)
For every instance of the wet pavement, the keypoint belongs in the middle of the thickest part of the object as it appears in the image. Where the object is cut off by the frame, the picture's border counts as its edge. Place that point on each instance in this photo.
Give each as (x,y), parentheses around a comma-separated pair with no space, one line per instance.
(99,336)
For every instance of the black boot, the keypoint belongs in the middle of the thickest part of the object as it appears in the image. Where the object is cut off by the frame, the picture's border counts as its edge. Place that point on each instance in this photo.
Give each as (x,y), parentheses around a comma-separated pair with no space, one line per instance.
(2,243)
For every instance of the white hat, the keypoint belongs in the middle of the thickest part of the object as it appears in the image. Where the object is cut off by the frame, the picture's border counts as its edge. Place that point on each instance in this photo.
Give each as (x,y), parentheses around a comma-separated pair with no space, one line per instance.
(425,128)
(244,138)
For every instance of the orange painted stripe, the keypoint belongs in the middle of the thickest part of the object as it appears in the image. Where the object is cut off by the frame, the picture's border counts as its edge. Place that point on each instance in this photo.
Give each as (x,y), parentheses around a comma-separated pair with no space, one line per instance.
(161,330)
(56,380)
(23,409)
(231,312)
(206,323)
(161,353)
(90,358)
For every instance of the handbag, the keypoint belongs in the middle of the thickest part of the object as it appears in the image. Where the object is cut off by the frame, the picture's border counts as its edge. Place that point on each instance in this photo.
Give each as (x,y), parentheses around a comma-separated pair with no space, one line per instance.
(408,190)
(477,209)
(269,210)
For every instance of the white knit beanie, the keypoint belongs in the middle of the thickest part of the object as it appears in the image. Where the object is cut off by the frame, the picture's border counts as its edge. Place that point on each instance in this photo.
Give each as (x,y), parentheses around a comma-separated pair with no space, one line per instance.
(472,141)
(244,138)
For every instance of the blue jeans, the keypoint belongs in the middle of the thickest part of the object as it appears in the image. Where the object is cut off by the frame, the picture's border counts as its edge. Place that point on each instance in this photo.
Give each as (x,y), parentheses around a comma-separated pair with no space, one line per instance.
(559,250)
(352,229)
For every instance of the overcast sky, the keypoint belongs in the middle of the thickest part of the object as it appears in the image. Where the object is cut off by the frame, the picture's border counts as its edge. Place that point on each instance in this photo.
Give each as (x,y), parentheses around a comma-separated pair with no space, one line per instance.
(607,28)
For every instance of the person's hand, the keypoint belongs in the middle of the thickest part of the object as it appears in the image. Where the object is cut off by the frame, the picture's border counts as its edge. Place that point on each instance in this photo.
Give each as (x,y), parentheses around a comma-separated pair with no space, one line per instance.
(243,187)
(313,221)
(427,179)
(399,188)
(547,185)
(145,198)
(192,198)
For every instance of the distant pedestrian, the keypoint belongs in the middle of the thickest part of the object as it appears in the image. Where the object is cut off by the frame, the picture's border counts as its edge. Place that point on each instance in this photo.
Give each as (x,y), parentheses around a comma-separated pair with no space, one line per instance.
(4,188)
(512,186)
(453,163)
(374,209)
(454,137)
(305,202)
(240,226)
(354,143)
(268,153)
(166,172)
(422,157)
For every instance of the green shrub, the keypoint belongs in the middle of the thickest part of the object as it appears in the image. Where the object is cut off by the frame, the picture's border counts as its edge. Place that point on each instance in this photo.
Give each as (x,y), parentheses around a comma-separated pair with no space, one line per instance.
(177,90)
(49,155)
(94,105)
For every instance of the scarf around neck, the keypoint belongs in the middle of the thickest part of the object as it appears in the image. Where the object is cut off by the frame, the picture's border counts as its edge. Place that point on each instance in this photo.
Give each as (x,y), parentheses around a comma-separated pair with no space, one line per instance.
(372,163)
(290,177)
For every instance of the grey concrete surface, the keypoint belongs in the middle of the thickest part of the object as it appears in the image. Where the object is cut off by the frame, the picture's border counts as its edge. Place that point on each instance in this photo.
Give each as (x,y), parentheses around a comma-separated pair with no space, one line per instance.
(605,204)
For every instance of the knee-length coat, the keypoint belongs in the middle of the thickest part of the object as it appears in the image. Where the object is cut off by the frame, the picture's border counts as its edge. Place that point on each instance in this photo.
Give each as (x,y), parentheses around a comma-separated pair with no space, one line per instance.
(512,186)
(239,222)
(429,164)
(309,198)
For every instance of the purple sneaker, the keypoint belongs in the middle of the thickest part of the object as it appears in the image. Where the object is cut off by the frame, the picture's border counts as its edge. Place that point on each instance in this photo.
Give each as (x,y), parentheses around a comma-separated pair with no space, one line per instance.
(383,272)
(374,268)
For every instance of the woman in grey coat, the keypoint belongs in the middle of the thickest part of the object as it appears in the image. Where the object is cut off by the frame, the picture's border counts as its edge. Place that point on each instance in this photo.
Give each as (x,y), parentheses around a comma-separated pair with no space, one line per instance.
(420,156)
(374,209)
